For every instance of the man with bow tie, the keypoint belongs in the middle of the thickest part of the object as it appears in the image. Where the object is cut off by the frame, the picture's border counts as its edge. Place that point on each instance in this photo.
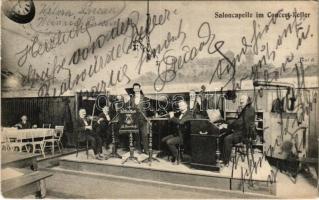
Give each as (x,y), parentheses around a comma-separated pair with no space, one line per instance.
(177,138)
(85,131)
(103,128)
(141,104)
(241,128)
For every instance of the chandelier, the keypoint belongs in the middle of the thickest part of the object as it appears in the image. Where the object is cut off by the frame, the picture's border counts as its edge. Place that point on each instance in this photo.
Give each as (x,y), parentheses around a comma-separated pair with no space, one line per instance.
(138,43)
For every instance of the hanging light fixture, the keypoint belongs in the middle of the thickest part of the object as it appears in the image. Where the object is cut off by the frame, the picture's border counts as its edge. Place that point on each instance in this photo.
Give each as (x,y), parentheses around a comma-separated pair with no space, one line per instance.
(139,42)
(147,33)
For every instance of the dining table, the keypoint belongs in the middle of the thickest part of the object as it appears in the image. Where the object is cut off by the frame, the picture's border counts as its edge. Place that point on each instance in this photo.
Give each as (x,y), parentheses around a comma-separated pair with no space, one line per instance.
(28,133)
(31,135)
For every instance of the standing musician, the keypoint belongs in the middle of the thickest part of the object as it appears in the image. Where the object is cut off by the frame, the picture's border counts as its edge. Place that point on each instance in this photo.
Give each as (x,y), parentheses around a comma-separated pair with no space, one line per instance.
(85,130)
(239,128)
(198,104)
(141,104)
(177,138)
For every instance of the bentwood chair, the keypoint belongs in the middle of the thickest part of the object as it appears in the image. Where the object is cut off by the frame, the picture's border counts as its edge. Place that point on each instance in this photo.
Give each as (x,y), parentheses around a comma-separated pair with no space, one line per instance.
(38,144)
(55,140)
(245,149)
(20,143)
(78,142)
(46,126)
(182,131)
(5,143)
(180,151)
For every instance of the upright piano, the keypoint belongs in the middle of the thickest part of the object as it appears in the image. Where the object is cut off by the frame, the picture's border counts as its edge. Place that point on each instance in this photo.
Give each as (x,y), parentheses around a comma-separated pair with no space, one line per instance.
(206,144)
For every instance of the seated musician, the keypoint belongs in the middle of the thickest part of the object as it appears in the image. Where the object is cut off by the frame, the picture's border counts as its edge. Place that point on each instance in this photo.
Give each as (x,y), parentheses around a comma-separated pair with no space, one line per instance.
(103,126)
(84,130)
(177,138)
(239,129)
(24,124)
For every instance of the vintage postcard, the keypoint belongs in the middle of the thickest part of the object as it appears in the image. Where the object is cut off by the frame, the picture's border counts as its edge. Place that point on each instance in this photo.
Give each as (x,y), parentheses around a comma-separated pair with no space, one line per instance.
(159,99)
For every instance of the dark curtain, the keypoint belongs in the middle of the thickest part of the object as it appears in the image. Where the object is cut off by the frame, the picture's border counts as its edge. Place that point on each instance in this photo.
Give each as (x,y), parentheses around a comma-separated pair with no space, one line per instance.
(68,136)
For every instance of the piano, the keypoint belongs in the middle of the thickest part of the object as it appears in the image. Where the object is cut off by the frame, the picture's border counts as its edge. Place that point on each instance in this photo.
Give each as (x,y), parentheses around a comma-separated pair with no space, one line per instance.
(206,144)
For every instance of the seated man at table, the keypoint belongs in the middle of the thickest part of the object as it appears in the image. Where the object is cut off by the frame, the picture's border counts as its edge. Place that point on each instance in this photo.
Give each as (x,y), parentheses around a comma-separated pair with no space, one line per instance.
(84,130)
(24,124)
(177,138)
(239,129)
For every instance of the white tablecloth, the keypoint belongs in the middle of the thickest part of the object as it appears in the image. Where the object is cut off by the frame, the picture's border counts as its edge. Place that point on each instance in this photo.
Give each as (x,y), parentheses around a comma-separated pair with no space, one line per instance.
(29,133)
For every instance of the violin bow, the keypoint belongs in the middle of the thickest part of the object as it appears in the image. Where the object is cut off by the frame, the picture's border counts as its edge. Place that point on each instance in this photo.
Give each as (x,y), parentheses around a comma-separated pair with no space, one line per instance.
(93,113)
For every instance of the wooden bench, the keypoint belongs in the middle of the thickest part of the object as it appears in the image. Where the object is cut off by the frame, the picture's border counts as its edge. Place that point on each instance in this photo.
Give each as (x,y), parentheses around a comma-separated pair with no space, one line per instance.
(19,160)
(32,182)
(19,175)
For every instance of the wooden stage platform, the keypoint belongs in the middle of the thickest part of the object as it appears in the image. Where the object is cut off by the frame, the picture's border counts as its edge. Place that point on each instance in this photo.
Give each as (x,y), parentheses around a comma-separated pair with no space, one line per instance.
(253,180)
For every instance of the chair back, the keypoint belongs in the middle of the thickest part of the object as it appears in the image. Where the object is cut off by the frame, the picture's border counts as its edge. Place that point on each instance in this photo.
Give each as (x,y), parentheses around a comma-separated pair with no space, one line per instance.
(59,132)
(4,138)
(5,134)
(252,133)
(184,131)
(250,136)
(46,126)
(6,142)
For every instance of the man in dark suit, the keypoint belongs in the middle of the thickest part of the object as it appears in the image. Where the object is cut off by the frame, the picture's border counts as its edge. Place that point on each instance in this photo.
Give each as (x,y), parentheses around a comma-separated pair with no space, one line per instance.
(141,104)
(198,105)
(24,124)
(239,128)
(84,130)
(103,127)
(177,138)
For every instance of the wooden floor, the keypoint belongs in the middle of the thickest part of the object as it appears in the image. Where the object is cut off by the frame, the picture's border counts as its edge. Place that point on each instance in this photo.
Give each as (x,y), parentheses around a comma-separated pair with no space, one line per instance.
(78,180)
(49,155)
(241,179)
(91,186)
(262,173)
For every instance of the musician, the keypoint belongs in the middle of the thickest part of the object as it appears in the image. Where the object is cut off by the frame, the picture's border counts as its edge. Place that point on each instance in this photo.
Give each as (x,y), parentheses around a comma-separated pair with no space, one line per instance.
(24,124)
(116,108)
(84,129)
(103,127)
(177,138)
(198,105)
(141,104)
(239,128)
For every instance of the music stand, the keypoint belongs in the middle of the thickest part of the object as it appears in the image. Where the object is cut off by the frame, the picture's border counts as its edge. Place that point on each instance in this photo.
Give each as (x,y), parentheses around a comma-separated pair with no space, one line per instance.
(129,127)
(131,92)
(114,153)
(150,143)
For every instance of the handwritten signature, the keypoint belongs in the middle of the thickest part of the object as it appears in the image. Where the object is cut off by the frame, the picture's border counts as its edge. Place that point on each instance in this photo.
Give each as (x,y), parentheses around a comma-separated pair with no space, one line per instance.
(169,65)
(39,48)
(48,77)
(262,48)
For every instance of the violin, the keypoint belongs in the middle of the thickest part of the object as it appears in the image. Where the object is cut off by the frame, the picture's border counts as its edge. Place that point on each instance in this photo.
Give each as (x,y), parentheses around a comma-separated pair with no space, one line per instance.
(92,118)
